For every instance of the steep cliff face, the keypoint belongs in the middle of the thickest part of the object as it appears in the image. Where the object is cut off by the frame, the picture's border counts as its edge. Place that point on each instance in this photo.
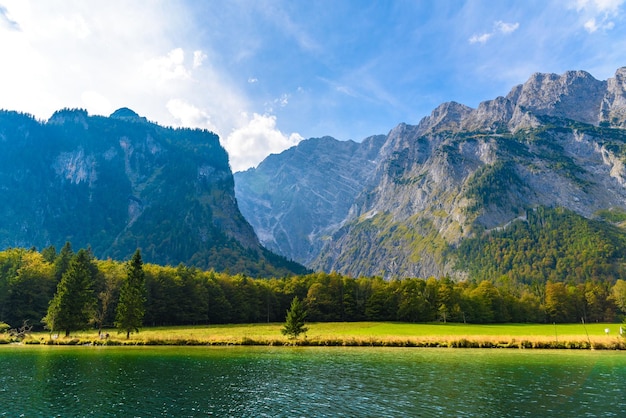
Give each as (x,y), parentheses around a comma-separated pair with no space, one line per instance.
(119,183)
(556,140)
(428,201)
(295,199)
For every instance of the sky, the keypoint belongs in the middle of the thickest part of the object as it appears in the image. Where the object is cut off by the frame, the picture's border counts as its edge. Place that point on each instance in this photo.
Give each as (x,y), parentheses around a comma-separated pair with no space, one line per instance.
(266,74)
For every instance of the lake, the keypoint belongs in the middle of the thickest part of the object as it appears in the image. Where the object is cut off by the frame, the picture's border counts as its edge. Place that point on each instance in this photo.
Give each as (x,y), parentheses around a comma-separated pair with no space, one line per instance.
(309,382)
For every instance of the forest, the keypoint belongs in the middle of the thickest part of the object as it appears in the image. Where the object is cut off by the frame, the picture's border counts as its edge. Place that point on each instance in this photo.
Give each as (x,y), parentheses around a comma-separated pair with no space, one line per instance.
(185,296)
(552,244)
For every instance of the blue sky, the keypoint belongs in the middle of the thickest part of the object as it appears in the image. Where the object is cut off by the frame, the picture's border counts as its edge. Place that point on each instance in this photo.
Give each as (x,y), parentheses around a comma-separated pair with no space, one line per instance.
(266,74)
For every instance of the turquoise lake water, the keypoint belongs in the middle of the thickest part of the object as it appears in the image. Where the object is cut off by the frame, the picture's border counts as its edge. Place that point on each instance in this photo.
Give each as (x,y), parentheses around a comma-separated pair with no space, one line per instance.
(309,382)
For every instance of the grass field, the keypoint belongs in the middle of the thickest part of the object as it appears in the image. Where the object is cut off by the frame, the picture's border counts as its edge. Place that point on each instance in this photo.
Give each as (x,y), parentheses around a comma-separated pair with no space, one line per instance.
(578,336)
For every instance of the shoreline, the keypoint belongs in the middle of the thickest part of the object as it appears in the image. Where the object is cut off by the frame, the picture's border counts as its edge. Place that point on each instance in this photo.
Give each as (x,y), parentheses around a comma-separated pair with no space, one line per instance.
(463,343)
(351,334)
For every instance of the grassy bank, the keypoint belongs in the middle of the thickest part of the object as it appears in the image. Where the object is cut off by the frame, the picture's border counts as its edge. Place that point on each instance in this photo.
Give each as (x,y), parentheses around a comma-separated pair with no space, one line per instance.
(388,334)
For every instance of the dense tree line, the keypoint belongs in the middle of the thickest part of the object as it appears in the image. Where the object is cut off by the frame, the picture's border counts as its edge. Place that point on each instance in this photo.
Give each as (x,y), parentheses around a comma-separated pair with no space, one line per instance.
(181,295)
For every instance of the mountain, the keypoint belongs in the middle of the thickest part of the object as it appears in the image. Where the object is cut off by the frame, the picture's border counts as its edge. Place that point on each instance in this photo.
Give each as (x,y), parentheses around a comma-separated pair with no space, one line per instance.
(121,182)
(298,197)
(463,174)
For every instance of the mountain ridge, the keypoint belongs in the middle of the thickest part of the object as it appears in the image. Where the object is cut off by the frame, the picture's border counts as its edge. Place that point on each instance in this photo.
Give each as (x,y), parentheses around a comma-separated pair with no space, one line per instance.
(554,141)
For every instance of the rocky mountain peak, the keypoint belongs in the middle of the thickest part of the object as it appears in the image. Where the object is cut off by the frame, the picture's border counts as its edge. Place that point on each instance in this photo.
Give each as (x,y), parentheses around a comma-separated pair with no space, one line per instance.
(613,109)
(447,116)
(400,137)
(542,94)
(491,115)
(560,96)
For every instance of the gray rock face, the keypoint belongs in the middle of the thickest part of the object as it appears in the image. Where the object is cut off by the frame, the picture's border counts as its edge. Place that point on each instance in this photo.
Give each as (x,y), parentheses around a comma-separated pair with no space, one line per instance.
(561,96)
(446,117)
(613,108)
(556,140)
(294,199)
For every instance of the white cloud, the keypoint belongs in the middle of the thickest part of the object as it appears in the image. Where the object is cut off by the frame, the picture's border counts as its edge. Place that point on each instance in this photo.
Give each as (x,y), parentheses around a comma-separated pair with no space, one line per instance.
(506,27)
(283,100)
(97,103)
(602,6)
(480,39)
(249,144)
(599,14)
(190,115)
(75,24)
(591,26)
(168,67)
(198,58)
(280,102)
(253,80)
(499,27)
(76,54)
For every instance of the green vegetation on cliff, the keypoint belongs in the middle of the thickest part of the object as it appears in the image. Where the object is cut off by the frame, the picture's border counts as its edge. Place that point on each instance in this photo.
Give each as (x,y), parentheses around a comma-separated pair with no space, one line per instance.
(549,244)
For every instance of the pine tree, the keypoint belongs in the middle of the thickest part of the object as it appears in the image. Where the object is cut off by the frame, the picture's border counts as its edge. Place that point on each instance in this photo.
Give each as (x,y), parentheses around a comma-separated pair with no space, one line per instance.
(62,261)
(130,309)
(72,306)
(294,324)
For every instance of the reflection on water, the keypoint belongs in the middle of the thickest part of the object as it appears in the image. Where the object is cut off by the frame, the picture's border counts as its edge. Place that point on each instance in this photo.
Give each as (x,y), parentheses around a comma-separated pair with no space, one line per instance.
(290,382)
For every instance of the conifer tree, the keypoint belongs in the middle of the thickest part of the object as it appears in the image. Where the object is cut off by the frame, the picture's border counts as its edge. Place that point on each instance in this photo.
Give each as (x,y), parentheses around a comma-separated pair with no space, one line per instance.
(130,309)
(294,324)
(72,306)
(62,261)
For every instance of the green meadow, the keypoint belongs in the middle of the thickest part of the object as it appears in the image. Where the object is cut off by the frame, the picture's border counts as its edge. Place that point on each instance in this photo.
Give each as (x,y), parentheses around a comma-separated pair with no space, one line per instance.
(574,336)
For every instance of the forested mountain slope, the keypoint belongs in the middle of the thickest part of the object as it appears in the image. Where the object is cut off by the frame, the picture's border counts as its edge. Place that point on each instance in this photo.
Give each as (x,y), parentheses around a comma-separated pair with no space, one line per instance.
(547,245)
(120,182)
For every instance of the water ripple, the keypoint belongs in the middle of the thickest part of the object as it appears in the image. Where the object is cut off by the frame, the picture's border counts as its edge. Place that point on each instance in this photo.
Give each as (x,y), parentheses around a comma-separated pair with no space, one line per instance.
(305,382)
